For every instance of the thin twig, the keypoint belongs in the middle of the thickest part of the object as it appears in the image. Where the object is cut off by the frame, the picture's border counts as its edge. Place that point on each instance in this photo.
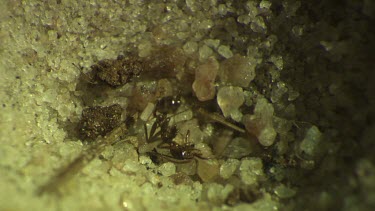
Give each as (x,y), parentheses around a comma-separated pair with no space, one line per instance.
(68,172)
(220,119)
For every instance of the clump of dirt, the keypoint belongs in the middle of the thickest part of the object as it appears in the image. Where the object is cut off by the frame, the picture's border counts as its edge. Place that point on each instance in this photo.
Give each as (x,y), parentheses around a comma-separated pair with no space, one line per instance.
(98,121)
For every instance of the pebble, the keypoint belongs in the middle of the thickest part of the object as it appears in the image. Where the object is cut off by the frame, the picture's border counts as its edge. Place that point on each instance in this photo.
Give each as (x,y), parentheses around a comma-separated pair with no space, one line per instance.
(205,76)
(217,193)
(258,25)
(167,169)
(284,192)
(191,5)
(249,98)
(208,170)
(282,125)
(251,171)
(267,136)
(144,49)
(260,123)
(123,152)
(190,47)
(146,161)
(164,88)
(222,9)
(230,99)
(278,173)
(183,116)
(237,71)
(205,52)
(278,92)
(189,168)
(311,141)
(277,61)
(228,168)
(266,203)
(238,148)
(132,166)
(192,125)
(244,19)
(265,4)
(212,43)
(292,94)
(225,51)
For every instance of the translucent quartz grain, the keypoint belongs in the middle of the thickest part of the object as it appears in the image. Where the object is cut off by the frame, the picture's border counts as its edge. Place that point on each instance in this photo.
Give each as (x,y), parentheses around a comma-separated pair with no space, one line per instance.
(217,193)
(225,51)
(277,61)
(190,47)
(267,136)
(205,52)
(258,25)
(284,192)
(205,76)
(228,168)
(124,151)
(311,141)
(132,166)
(212,43)
(238,148)
(245,19)
(278,92)
(167,169)
(265,4)
(260,123)
(208,170)
(237,71)
(189,168)
(251,171)
(230,98)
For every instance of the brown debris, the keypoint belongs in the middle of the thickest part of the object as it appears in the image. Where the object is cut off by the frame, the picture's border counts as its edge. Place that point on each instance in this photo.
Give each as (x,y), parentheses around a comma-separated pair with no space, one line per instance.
(117,72)
(98,121)
(164,62)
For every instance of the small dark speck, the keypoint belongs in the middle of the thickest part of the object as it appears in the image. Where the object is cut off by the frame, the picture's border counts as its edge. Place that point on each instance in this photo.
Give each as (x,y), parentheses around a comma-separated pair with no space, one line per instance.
(18,77)
(160,185)
(4,105)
